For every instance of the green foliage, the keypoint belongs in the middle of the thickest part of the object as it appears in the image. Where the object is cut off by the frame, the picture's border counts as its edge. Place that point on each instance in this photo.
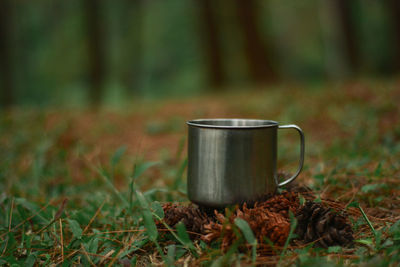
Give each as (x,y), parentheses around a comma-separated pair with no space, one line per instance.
(248,235)
(184,236)
(117,156)
(115,202)
(75,228)
(372,187)
(293,224)
(139,169)
(149,224)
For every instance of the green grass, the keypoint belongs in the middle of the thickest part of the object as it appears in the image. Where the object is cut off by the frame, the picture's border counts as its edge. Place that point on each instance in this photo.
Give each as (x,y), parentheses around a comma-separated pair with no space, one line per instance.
(76,190)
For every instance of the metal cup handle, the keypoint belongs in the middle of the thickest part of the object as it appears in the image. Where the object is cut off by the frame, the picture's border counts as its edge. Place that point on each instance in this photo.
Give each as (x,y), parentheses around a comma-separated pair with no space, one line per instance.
(292,126)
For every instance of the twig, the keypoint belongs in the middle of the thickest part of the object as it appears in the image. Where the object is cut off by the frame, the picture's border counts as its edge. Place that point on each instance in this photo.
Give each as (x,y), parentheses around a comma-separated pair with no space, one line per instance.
(56,216)
(111,239)
(87,256)
(119,242)
(95,255)
(122,250)
(27,219)
(139,230)
(94,216)
(68,256)
(119,232)
(106,256)
(354,190)
(322,194)
(172,231)
(5,247)
(48,250)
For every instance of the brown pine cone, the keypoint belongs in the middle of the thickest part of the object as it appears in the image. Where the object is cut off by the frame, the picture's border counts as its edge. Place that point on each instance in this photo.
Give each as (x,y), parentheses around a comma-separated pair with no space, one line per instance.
(278,229)
(221,228)
(190,216)
(213,231)
(263,223)
(266,223)
(281,203)
(323,225)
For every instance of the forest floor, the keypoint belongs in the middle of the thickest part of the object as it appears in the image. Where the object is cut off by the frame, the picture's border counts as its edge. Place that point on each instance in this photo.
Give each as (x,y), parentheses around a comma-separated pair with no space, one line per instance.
(76,184)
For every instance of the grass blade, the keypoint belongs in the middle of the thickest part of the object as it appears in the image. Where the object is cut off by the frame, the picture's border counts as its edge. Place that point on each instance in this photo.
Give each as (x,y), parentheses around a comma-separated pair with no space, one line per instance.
(184,236)
(117,156)
(248,235)
(147,217)
(139,169)
(111,185)
(357,205)
(293,225)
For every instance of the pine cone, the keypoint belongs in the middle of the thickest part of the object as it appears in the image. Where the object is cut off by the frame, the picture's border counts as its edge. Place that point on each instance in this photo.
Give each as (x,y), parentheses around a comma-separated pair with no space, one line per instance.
(221,228)
(323,225)
(266,223)
(278,229)
(190,216)
(263,223)
(213,231)
(281,203)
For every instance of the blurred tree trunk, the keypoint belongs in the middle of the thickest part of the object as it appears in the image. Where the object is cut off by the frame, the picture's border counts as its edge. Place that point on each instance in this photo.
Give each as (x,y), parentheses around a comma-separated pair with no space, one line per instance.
(6,54)
(336,65)
(95,50)
(346,25)
(257,55)
(131,49)
(394,6)
(212,43)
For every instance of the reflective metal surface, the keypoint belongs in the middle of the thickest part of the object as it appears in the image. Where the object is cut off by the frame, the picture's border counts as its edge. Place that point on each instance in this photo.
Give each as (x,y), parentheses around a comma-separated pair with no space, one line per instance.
(233,160)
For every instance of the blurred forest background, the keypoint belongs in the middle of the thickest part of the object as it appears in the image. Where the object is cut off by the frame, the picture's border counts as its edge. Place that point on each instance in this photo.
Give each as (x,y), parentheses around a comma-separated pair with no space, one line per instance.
(79,52)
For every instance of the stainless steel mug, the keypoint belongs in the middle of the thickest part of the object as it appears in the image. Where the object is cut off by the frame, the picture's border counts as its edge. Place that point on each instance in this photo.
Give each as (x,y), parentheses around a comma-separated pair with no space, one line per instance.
(231,161)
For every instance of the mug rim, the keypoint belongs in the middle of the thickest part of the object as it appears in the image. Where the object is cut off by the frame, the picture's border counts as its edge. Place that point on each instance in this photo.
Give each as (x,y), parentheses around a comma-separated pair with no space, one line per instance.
(253,123)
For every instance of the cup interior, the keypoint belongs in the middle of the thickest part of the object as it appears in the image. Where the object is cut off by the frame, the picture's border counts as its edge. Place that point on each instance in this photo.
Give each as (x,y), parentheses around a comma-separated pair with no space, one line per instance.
(232,123)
